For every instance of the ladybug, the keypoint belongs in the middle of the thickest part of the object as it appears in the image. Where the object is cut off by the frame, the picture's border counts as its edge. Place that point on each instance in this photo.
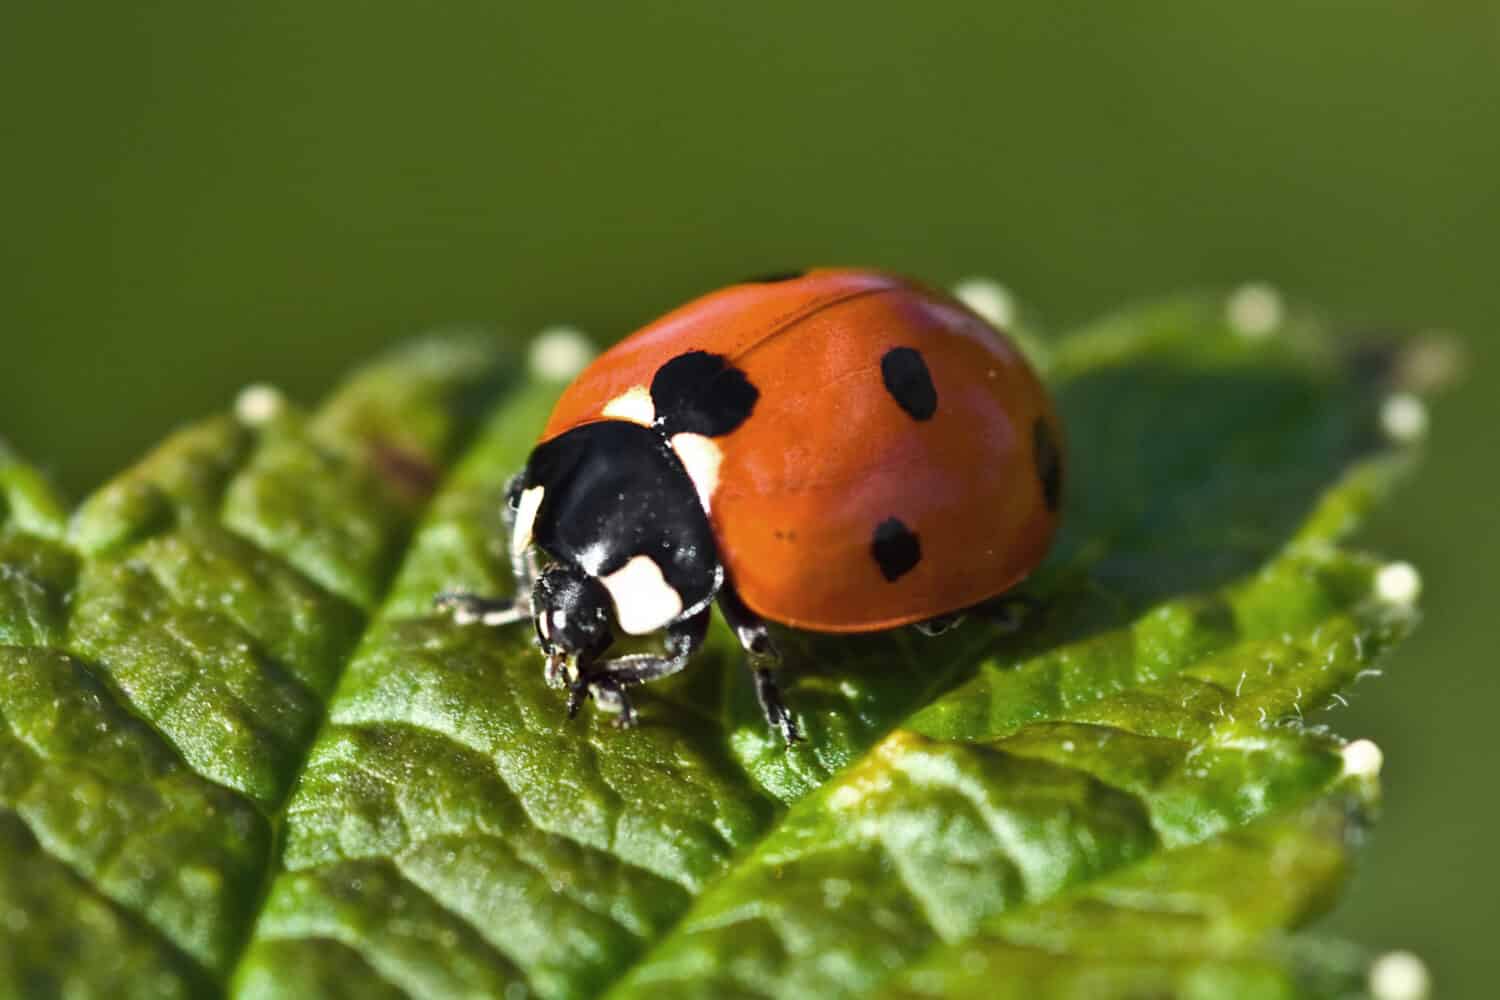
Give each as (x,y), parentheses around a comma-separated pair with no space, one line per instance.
(835,450)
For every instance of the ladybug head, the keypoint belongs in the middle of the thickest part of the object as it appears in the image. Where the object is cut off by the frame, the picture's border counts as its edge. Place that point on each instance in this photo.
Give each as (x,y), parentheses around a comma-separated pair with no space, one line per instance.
(572,611)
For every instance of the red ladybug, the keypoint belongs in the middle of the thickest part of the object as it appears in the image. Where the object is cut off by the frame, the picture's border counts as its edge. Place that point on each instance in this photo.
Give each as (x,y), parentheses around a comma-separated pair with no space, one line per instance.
(836,450)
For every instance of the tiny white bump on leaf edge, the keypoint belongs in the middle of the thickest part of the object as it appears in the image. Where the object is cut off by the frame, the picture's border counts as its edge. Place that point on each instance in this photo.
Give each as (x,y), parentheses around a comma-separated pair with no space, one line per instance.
(559,352)
(1362,759)
(258,404)
(1403,417)
(1398,583)
(1254,310)
(1400,975)
(989,299)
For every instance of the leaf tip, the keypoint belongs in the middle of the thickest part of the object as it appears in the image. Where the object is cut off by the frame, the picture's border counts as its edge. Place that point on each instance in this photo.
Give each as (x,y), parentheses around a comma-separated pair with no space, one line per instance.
(1400,975)
(558,353)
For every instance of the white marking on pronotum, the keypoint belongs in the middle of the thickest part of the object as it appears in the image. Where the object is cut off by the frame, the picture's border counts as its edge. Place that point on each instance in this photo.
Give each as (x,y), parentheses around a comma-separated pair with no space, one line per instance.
(1398,583)
(559,352)
(259,404)
(531,500)
(989,299)
(644,601)
(701,456)
(1403,417)
(1400,975)
(1254,310)
(634,405)
(1362,759)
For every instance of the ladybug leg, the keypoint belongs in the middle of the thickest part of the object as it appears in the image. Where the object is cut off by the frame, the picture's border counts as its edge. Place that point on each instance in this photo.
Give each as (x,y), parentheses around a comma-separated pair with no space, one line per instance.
(606,680)
(749,628)
(470,609)
(1010,612)
(762,658)
(774,709)
(607,691)
(940,624)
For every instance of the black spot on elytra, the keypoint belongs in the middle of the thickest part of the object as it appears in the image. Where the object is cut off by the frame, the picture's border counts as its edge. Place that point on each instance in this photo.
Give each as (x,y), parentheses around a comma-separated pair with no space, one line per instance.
(909,382)
(895,548)
(1048,463)
(771,279)
(701,393)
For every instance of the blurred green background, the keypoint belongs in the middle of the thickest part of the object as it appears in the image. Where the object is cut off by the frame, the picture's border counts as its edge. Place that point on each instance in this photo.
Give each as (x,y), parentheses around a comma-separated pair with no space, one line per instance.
(201,195)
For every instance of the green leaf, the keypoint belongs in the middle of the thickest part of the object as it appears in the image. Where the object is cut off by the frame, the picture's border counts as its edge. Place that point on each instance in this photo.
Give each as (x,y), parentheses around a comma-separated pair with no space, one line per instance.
(1201,921)
(242,754)
(165,663)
